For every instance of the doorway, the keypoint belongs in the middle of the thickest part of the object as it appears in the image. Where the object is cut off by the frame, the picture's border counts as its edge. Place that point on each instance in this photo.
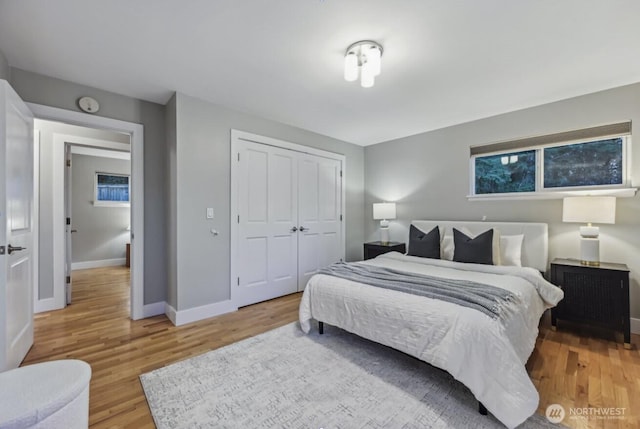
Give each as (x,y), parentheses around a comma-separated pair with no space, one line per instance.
(56,236)
(97,209)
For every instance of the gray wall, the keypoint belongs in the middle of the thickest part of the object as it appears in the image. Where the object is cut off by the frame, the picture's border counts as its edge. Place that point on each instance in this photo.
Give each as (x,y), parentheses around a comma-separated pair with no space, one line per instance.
(5,70)
(202,171)
(428,176)
(101,231)
(49,91)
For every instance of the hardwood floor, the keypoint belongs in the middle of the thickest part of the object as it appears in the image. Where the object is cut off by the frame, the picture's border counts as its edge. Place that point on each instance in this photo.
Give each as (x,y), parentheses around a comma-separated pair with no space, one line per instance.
(568,367)
(579,368)
(96,328)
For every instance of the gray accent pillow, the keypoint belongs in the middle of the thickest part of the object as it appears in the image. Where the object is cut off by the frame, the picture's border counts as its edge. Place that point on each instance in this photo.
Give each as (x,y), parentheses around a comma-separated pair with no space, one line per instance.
(478,250)
(425,245)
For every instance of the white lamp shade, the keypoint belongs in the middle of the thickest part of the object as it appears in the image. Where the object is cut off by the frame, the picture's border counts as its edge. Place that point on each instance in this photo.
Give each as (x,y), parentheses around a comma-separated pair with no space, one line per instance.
(350,67)
(589,209)
(384,211)
(367,76)
(373,58)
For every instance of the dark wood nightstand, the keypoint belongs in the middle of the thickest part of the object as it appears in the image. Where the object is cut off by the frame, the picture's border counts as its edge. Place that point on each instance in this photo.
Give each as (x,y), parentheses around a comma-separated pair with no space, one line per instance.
(597,295)
(375,248)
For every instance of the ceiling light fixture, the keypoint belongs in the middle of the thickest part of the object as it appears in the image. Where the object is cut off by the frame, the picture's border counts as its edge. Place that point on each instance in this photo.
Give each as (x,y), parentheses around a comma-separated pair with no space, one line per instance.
(366,55)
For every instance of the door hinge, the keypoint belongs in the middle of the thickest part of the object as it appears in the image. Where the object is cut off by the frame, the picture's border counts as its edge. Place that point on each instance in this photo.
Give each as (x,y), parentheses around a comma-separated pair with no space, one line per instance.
(2,250)
(340,218)
(238,156)
(238,281)
(68,163)
(340,173)
(68,279)
(68,221)
(238,218)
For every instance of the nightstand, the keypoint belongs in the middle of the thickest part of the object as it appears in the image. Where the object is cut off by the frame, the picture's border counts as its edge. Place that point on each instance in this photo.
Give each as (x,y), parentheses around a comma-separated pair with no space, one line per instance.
(594,295)
(375,248)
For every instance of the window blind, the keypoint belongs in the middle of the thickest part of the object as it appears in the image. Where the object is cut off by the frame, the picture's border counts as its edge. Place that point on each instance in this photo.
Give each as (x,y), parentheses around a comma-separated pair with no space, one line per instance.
(618,129)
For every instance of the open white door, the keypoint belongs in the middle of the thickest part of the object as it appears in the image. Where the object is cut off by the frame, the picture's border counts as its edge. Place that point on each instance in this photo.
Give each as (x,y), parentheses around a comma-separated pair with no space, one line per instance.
(16,228)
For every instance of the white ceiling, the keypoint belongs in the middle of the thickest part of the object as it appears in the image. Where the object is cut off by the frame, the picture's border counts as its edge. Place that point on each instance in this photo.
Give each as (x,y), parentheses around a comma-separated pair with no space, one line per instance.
(445,62)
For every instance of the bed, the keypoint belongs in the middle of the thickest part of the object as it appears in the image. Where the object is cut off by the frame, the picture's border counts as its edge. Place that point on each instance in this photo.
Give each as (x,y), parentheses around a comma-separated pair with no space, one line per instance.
(487,353)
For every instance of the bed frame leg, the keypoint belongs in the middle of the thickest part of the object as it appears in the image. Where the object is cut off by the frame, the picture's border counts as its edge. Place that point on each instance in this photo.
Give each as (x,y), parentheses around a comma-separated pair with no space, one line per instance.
(321,328)
(482,409)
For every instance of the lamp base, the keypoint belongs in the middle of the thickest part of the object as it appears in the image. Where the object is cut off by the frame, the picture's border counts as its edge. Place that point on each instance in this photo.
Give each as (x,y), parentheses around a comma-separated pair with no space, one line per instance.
(590,251)
(384,235)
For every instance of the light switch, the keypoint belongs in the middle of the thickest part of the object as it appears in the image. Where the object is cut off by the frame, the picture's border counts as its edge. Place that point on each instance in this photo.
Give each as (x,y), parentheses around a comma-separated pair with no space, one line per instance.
(209,212)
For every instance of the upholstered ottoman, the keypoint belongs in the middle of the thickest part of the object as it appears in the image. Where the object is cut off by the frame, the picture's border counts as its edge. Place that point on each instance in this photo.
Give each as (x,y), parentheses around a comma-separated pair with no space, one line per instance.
(46,395)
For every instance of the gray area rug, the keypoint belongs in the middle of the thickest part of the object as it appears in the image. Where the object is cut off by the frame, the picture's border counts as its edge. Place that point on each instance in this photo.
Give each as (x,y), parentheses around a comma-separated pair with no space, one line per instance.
(286,379)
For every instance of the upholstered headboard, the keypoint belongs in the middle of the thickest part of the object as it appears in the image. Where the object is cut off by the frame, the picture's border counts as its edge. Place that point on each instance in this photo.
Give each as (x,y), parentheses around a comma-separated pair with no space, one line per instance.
(535,246)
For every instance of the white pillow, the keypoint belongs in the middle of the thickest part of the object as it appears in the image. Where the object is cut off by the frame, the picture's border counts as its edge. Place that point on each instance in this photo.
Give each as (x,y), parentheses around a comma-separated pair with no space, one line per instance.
(446,248)
(511,250)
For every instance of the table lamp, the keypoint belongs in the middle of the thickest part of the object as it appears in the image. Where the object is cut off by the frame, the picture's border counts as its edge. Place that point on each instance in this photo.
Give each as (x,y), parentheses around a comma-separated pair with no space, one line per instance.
(589,210)
(384,212)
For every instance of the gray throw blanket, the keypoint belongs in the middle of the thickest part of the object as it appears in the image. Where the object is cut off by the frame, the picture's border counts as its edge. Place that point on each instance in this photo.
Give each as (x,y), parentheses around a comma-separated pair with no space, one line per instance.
(493,301)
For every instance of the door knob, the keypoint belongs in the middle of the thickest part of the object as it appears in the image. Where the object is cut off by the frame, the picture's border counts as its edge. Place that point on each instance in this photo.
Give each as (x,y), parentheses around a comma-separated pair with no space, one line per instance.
(303,229)
(294,229)
(11,248)
(74,230)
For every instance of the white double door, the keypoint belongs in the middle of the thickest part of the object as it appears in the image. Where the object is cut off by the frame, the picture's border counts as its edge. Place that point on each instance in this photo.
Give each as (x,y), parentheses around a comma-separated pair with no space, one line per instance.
(289,219)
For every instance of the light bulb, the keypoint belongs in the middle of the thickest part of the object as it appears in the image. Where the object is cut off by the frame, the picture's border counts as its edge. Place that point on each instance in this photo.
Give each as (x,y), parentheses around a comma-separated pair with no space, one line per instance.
(373,58)
(513,159)
(504,160)
(366,75)
(350,67)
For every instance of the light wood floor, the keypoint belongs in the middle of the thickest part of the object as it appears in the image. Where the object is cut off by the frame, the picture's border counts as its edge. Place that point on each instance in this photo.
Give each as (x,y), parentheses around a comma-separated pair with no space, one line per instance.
(567,367)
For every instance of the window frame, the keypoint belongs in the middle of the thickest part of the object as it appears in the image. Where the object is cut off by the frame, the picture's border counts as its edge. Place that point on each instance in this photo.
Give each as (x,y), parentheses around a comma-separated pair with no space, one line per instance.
(557,192)
(102,203)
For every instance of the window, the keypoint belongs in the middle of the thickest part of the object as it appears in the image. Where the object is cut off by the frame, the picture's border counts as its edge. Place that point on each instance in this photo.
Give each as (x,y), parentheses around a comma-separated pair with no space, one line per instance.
(111,190)
(554,163)
(584,164)
(505,173)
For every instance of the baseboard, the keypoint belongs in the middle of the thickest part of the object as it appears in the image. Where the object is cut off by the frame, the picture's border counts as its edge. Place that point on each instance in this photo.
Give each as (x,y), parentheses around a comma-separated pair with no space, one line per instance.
(194,314)
(635,325)
(98,264)
(150,310)
(42,305)
(170,312)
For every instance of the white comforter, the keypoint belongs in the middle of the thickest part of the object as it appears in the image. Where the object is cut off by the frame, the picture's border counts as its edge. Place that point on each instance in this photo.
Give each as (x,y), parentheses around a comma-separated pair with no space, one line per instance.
(486,355)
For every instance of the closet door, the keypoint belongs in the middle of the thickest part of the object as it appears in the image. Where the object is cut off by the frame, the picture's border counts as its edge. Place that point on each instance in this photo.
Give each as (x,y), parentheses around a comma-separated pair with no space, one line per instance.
(268,212)
(319,211)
